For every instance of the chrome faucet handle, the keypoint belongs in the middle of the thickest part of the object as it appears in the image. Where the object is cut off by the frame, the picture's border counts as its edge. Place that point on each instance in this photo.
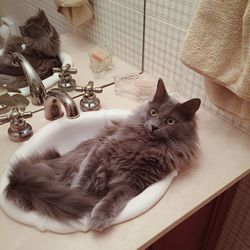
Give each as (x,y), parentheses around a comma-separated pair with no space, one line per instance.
(65,69)
(19,129)
(66,82)
(89,101)
(89,89)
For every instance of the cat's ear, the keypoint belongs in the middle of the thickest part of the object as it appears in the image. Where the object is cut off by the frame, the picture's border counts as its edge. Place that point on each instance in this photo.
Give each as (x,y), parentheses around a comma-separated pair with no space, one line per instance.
(42,15)
(188,108)
(161,93)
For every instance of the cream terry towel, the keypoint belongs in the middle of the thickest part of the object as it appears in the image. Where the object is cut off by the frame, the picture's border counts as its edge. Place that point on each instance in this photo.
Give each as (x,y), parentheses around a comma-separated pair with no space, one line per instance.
(217,46)
(77,12)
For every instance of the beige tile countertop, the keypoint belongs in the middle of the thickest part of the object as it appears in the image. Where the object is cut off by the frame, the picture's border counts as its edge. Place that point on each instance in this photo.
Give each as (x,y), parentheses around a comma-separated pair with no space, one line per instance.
(224,160)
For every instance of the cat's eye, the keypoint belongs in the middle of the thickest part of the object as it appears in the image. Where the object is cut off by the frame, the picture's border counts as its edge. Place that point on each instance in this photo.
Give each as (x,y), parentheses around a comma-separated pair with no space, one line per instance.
(170,121)
(153,112)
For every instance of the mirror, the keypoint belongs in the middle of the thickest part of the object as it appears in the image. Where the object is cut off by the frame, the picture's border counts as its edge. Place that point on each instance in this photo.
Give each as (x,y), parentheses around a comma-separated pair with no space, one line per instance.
(117,25)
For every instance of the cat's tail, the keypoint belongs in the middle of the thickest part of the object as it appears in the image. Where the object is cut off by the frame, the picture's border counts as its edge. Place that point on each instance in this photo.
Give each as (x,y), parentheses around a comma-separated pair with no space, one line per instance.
(33,187)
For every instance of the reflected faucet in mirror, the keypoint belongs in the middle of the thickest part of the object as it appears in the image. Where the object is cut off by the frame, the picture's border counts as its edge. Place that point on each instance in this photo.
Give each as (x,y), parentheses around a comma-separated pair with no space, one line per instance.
(66,82)
(37,89)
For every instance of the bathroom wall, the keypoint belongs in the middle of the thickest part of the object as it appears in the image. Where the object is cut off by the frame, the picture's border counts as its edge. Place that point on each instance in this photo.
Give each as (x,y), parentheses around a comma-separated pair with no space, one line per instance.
(167,23)
(118,24)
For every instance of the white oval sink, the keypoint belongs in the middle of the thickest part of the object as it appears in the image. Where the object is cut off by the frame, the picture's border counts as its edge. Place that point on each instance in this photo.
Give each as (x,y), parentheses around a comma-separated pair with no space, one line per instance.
(64,134)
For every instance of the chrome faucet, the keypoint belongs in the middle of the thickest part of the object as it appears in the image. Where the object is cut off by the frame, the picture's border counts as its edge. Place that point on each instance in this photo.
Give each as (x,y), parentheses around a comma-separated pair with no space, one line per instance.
(37,89)
(52,106)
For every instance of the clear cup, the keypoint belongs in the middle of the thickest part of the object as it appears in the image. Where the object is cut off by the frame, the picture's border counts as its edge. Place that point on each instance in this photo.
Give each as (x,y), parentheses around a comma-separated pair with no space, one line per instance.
(100,59)
(134,86)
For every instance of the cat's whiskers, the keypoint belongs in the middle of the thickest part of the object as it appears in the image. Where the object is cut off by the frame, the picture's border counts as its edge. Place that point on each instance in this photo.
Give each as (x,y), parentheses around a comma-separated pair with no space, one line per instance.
(147,126)
(137,123)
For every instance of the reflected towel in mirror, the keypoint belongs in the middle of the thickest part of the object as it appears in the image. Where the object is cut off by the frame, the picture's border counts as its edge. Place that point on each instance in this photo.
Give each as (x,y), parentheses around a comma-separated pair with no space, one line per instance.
(77,12)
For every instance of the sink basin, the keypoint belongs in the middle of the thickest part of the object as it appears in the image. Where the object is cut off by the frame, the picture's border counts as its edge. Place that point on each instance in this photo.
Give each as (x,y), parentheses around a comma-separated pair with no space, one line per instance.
(50,81)
(64,134)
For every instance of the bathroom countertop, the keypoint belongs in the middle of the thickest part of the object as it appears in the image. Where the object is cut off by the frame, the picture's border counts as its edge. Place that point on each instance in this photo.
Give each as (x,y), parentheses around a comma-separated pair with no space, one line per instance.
(224,160)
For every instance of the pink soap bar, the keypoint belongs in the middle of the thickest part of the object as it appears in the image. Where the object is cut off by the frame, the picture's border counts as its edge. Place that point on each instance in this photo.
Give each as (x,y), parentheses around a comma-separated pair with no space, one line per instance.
(99,54)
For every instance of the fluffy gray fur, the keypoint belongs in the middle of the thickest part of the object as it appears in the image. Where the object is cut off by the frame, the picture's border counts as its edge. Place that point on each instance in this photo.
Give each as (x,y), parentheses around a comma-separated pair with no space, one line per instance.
(102,174)
(42,49)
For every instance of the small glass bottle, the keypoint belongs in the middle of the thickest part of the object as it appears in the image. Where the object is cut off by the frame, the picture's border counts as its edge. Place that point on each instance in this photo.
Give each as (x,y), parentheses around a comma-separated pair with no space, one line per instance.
(100,59)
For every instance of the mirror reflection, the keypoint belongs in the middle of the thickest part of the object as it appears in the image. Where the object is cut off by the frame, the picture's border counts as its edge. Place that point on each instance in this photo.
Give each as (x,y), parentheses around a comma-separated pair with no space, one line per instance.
(56,44)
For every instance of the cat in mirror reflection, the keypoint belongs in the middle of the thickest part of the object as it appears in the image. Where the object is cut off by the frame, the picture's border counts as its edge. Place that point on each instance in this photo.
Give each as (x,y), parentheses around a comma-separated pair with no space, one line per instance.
(39,43)
(102,174)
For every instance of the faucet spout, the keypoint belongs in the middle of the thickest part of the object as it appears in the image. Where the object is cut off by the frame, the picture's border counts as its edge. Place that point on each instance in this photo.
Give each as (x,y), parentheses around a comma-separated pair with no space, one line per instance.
(52,106)
(37,89)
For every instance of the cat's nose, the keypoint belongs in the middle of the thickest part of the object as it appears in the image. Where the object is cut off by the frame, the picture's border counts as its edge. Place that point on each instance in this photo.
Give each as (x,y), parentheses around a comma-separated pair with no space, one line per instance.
(154,127)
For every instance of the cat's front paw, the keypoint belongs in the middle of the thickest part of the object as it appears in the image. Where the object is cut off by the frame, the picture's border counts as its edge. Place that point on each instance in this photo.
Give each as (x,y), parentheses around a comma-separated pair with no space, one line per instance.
(100,220)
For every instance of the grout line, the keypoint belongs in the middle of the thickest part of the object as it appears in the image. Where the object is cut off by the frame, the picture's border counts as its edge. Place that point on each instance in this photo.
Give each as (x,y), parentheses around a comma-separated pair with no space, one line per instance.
(127,7)
(168,23)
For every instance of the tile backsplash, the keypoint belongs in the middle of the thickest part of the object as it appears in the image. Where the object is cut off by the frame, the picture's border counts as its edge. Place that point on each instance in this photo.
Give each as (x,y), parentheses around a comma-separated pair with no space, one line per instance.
(167,23)
(119,25)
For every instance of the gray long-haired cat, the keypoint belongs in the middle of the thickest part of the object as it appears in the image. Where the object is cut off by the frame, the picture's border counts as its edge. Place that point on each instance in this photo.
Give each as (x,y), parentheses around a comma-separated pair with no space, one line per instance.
(101,174)
(39,44)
